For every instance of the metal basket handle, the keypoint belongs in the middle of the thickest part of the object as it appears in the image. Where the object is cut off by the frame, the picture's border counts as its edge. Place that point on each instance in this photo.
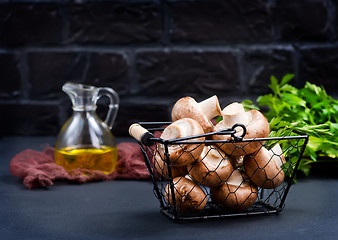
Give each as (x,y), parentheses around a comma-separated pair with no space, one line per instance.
(141,134)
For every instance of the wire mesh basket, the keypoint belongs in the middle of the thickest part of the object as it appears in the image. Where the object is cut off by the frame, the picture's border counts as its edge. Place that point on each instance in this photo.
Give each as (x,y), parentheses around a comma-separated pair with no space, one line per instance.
(221,195)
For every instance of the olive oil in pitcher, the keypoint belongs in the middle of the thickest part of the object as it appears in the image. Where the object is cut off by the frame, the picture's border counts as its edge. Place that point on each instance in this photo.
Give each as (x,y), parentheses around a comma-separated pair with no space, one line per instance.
(85,141)
(87,158)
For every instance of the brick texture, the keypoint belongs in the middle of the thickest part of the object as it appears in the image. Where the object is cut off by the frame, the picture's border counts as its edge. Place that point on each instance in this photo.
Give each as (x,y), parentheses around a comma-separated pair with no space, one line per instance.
(320,66)
(152,52)
(50,70)
(115,23)
(29,118)
(304,20)
(30,24)
(186,73)
(140,109)
(260,64)
(10,74)
(109,69)
(214,21)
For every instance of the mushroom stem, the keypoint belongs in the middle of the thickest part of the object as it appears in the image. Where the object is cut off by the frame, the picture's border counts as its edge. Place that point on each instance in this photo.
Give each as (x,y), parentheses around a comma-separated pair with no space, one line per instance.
(278,155)
(234,113)
(210,107)
(235,178)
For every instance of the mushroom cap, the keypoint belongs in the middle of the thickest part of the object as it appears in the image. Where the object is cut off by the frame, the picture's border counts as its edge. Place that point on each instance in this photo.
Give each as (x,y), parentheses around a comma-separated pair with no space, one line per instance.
(182,154)
(162,168)
(264,168)
(236,194)
(187,107)
(212,168)
(234,197)
(257,127)
(188,195)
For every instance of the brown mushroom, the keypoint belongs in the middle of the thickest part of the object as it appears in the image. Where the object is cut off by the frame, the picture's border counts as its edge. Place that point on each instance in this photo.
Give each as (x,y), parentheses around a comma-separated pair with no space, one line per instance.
(264,168)
(188,195)
(235,194)
(202,112)
(257,126)
(212,168)
(162,168)
(182,154)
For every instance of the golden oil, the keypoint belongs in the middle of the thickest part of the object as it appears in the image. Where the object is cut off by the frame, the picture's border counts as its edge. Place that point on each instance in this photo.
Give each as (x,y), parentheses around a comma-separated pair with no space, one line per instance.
(103,158)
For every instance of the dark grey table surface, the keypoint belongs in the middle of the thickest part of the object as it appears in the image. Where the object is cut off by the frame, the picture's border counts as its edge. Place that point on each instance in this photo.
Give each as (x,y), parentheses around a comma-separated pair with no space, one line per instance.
(129,210)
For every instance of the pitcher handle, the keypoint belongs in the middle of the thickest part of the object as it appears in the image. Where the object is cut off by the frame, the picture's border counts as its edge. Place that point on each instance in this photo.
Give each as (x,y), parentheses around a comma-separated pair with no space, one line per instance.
(113,105)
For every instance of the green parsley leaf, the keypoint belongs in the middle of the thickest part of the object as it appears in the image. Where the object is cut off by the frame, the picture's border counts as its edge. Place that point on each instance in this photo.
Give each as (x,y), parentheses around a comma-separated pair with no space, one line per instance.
(309,110)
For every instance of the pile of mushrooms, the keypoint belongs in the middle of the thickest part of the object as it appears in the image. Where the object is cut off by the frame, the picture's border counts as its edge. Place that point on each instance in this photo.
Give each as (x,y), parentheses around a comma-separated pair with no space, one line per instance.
(232,171)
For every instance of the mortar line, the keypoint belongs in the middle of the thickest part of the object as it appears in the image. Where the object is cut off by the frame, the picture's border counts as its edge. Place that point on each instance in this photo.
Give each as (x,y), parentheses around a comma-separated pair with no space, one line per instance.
(179,47)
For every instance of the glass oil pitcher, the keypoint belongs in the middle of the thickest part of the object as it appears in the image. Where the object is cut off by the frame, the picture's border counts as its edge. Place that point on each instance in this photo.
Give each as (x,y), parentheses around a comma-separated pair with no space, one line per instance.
(85,141)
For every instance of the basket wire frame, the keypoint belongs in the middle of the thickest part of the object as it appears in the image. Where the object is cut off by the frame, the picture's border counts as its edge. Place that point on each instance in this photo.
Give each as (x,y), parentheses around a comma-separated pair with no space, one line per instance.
(268,200)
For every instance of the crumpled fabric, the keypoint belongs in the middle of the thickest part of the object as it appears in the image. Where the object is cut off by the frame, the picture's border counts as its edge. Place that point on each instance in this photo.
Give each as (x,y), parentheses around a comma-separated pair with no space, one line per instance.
(38,169)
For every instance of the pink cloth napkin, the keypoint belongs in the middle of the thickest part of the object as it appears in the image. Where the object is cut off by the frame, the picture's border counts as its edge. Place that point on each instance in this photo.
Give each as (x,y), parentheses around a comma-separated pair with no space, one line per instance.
(38,169)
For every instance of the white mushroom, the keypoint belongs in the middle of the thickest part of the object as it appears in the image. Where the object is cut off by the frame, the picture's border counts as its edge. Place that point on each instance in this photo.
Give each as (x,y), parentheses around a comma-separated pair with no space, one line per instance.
(257,126)
(212,168)
(264,168)
(182,154)
(188,195)
(234,113)
(236,193)
(202,112)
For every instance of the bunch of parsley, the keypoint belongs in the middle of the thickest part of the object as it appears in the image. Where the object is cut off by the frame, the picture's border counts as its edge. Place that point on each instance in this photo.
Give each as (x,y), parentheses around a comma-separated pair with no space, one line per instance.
(309,110)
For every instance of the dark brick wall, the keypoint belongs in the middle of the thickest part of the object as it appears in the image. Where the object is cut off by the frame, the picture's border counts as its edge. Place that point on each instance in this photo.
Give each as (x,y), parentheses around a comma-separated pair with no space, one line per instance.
(154,52)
